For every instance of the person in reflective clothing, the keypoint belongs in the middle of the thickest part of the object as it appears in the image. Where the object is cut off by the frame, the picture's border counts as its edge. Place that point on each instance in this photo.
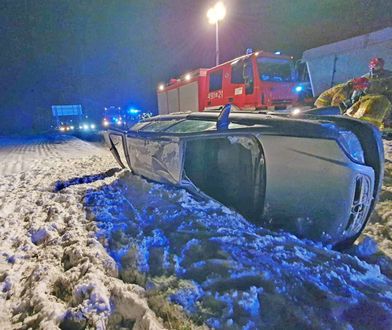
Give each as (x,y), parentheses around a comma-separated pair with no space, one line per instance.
(367,98)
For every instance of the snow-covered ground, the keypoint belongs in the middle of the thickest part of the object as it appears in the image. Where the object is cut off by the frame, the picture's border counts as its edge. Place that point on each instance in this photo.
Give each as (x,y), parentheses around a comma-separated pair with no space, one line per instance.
(85,245)
(53,271)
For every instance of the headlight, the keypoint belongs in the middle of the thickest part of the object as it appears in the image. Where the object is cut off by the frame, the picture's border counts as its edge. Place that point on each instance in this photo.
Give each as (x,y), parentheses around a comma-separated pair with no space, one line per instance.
(72,127)
(351,145)
(92,126)
(62,129)
(85,126)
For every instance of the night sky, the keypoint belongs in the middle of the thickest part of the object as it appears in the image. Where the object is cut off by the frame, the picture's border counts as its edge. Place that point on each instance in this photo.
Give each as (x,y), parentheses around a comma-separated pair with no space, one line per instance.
(101,53)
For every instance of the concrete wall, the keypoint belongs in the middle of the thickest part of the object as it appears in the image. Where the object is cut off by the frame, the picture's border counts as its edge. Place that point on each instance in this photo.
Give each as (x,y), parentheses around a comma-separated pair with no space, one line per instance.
(340,61)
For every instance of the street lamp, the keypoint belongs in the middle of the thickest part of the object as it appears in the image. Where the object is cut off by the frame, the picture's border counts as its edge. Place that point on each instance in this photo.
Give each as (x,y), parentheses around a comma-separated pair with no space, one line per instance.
(214,15)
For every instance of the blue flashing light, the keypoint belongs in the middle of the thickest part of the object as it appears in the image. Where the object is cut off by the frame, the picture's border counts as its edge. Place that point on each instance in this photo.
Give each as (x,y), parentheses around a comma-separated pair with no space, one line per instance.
(299,89)
(133,111)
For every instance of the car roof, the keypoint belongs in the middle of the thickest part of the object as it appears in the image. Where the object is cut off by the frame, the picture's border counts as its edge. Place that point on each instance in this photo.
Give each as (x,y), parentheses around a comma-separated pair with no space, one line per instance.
(255,121)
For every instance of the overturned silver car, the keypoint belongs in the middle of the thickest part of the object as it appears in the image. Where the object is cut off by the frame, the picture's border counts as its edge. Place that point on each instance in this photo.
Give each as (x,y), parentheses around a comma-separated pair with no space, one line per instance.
(317,177)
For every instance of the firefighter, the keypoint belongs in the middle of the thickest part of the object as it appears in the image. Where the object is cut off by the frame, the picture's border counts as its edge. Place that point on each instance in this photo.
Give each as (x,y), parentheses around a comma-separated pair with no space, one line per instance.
(367,98)
(376,69)
(334,96)
(373,102)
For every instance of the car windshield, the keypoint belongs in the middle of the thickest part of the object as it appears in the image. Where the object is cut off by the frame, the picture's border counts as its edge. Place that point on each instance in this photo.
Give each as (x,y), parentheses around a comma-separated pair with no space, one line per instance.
(155,126)
(185,126)
(274,69)
(192,126)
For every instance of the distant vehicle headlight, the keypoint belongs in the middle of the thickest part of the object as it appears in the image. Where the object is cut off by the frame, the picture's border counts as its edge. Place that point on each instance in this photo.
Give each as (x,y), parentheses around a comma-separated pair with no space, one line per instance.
(351,145)
(72,127)
(62,129)
(85,127)
(92,126)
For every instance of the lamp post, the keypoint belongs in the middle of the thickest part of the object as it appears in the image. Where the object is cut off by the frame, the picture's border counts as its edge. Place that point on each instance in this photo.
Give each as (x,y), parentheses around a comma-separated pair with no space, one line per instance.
(214,15)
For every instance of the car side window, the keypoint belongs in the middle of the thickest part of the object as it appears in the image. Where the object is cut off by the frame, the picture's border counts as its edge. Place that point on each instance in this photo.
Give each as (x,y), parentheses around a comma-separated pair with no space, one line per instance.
(215,80)
(229,169)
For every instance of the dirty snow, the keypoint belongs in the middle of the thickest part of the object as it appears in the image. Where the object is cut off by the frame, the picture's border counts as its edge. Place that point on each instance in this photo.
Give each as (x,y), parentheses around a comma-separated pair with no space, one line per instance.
(83,245)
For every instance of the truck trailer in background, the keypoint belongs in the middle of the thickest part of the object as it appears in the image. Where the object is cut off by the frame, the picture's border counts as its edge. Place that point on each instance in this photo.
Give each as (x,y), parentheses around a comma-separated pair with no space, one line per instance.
(257,80)
(341,61)
(67,117)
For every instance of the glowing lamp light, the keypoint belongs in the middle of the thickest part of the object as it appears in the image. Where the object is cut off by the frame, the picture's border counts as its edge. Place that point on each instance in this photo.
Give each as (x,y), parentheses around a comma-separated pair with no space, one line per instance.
(161,87)
(299,89)
(62,129)
(188,77)
(296,111)
(216,13)
(85,126)
(105,123)
(92,126)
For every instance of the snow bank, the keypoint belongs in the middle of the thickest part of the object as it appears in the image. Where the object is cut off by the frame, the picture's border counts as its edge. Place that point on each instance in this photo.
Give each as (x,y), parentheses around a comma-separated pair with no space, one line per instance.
(53,271)
(229,273)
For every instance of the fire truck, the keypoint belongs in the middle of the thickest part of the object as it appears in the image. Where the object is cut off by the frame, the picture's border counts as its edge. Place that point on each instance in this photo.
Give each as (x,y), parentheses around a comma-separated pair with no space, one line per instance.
(257,80)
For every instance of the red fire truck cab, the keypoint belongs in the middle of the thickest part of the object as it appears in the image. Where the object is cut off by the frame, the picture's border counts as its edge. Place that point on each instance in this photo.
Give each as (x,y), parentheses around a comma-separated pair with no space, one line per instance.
(259,80)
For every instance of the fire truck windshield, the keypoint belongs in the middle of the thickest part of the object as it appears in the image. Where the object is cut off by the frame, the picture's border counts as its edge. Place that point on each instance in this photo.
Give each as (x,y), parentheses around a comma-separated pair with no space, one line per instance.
(275,69)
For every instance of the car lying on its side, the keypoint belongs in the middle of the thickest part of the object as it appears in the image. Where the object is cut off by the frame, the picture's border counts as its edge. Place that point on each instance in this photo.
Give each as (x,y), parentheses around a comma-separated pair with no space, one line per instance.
(317,177)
